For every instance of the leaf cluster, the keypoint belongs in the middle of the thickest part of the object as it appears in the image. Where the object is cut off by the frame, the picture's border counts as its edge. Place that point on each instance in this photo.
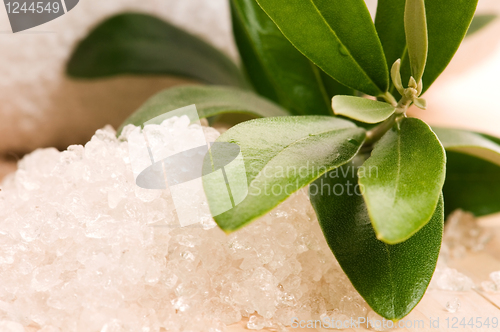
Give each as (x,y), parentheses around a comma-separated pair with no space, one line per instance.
(307,67)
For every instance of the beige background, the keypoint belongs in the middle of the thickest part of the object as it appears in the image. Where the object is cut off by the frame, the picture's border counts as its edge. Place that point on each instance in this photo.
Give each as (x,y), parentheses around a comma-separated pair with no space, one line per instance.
(467,93)
(39,106)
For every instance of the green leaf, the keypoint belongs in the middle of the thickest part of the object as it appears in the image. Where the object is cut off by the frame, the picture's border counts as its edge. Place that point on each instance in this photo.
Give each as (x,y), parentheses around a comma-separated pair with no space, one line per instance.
(479,22)
(338,36)
(389,22)
(142,44)
(282,155)
(334,88)
(447,24)
(277,70)
(472,184)
(391,278)
(403,195)
(472,171)
(469,143)
(416,36)
(209,101)
(362,109)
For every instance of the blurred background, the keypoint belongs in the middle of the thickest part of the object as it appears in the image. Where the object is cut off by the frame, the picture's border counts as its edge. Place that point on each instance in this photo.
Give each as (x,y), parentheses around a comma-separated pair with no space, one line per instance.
(41,107)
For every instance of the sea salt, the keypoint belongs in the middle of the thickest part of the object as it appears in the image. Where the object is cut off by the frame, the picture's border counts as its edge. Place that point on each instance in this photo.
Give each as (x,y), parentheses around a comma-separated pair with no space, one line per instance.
(489,286)
(453,305)
(463,233)
(8,326)
(82,248)
(495,277)
(449,279)
(492,285)
(257,323)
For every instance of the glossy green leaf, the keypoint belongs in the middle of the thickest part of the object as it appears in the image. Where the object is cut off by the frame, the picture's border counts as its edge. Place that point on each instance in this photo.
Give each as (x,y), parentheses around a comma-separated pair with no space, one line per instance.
(142,44)
(479,22)
(282,155)
(391,278)
(447,24)
(389,22)
(209,101)
(402,195)
(469,143)
(334,88)
(416,36)
(276,69)
(472,184)
(472,171)
(362,109)
(338,36)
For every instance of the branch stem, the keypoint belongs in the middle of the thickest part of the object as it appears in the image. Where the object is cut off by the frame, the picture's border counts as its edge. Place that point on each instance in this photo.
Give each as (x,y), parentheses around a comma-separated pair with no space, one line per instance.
(376,133)
(388,97)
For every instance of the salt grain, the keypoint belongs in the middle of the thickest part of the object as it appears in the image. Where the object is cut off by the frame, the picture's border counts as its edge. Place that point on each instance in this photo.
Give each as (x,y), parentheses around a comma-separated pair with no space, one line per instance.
(257,323)
(8,326)
(495,277)
(489,286)
(449,279)
(462,233)
(453,305)
(492,285)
